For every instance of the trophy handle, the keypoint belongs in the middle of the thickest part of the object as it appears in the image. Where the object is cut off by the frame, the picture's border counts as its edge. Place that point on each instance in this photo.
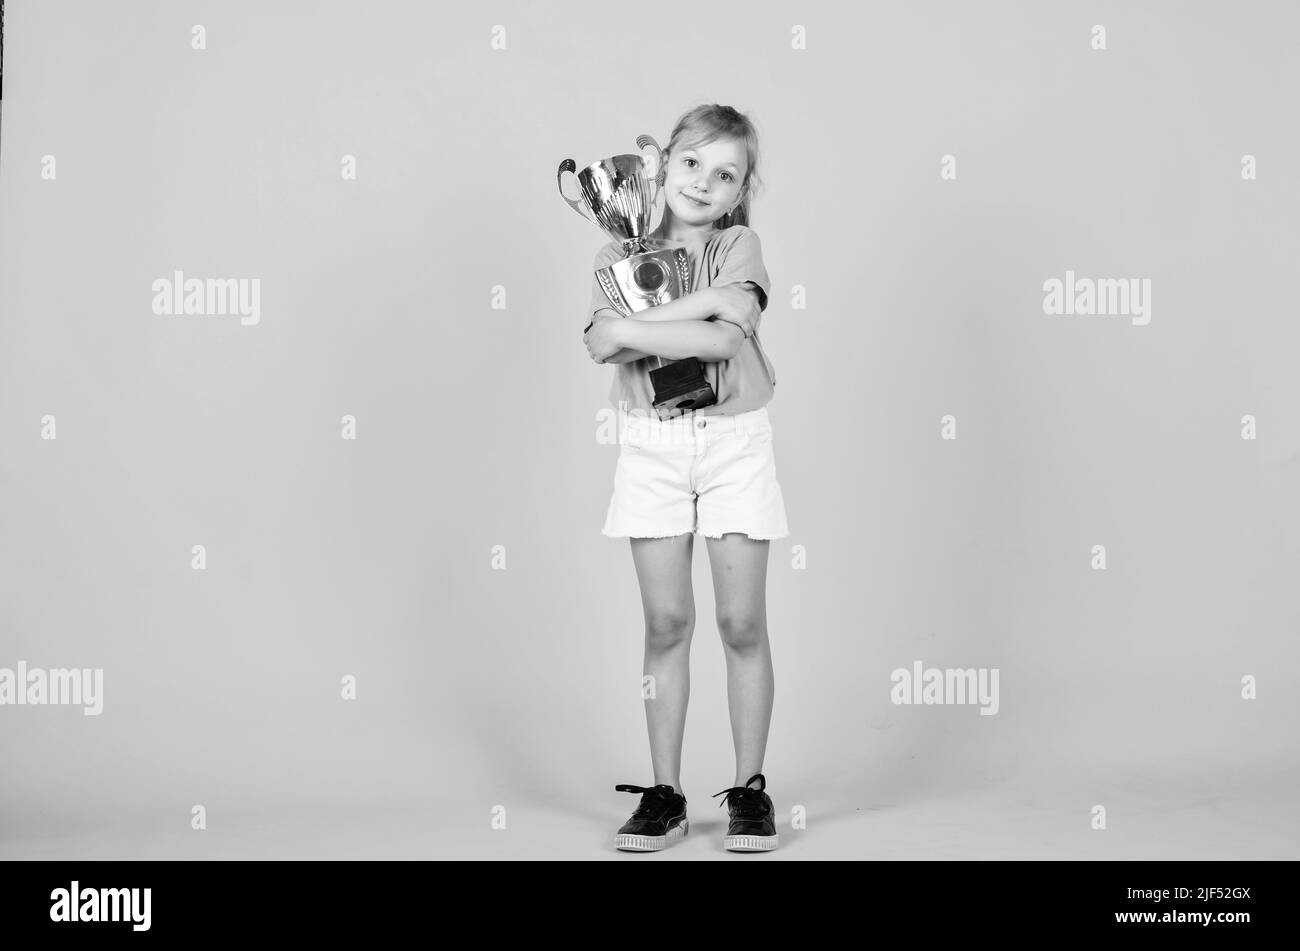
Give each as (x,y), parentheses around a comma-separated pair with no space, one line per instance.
(568,165)
(641,142)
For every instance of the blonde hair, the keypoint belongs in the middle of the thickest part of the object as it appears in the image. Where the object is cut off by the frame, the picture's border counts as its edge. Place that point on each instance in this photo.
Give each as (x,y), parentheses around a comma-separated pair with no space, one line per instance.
(704,124)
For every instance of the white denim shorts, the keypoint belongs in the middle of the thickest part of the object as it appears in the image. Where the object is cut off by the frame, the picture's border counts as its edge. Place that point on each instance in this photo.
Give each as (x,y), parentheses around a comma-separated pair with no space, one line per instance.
(696,473)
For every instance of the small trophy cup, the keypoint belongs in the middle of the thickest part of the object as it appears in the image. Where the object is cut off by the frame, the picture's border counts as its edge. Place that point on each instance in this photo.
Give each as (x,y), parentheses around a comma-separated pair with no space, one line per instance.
(618,195)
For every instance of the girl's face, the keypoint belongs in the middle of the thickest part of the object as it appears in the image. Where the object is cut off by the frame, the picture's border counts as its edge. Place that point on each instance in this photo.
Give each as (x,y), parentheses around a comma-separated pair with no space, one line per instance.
(704,182)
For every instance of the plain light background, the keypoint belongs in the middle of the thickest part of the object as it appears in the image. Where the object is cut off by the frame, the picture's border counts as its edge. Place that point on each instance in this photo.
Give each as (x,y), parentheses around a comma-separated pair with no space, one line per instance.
(479,427)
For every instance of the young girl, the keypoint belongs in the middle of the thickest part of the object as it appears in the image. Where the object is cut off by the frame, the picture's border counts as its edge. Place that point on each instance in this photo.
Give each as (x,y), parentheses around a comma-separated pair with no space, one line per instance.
(711,471)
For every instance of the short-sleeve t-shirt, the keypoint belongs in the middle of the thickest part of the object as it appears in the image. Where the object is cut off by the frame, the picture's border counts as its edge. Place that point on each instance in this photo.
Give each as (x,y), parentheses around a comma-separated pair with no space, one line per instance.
(743,383)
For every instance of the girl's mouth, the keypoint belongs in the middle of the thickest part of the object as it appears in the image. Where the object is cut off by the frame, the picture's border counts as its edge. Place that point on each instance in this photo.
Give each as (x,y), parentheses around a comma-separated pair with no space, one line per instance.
(695,201)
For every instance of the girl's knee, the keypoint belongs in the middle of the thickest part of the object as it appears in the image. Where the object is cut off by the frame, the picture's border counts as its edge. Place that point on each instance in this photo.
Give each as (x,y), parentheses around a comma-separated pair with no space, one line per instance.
(667,629)
(742,631)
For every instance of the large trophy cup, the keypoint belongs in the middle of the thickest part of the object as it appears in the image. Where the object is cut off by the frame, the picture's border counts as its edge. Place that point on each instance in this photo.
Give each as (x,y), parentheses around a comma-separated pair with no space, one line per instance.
(618,195)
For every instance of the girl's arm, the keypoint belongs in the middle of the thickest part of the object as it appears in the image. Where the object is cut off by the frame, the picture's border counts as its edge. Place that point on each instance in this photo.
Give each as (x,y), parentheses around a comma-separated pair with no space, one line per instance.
(698,305)
(710,342)
(626,355)
(707,340)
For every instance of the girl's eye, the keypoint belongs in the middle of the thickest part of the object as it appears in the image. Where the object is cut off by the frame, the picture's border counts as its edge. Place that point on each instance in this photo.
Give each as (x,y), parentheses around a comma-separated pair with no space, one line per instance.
(730,177)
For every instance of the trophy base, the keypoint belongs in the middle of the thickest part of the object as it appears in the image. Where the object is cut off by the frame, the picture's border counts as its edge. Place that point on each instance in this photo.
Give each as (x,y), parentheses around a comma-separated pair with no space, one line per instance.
(680,387)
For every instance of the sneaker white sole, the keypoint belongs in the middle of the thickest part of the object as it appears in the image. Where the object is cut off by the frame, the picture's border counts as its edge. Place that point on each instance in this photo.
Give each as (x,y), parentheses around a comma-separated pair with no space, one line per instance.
(651,843)
(749,843)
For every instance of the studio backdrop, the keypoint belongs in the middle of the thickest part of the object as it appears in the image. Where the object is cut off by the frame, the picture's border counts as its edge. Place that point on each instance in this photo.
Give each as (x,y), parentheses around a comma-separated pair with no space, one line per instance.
(303,463)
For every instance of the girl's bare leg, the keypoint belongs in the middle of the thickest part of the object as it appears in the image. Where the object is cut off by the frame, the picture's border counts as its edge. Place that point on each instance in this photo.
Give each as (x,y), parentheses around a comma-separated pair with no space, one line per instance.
(739,567)
(663,568)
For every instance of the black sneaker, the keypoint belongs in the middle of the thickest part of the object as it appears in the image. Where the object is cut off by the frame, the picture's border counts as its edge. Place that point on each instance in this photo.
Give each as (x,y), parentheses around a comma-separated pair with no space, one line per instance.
(753,819)
(658,822)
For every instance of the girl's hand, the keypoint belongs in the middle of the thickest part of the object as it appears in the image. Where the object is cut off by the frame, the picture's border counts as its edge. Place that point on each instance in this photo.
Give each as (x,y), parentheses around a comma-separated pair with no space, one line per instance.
(601,338)
(739,305)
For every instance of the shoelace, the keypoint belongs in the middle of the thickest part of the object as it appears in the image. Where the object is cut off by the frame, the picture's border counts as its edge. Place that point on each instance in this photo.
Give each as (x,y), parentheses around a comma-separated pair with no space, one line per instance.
(654,799)
(746,802)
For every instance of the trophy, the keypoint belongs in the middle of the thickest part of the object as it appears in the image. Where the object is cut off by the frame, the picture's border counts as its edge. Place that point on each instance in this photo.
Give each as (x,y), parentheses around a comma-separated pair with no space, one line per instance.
(618,195)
